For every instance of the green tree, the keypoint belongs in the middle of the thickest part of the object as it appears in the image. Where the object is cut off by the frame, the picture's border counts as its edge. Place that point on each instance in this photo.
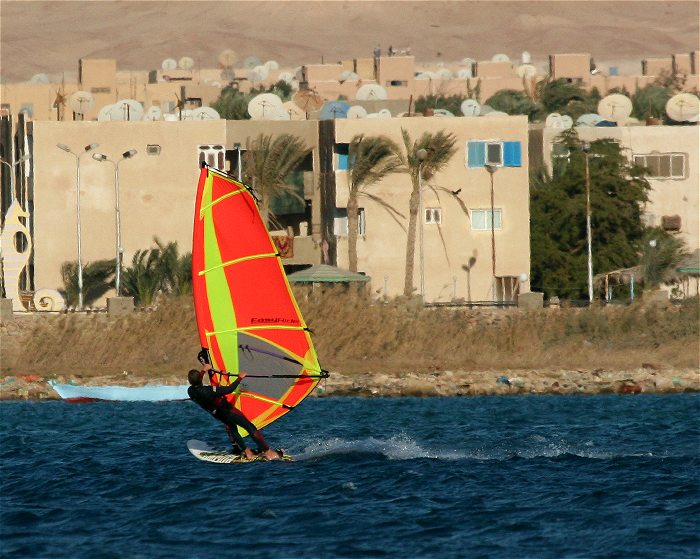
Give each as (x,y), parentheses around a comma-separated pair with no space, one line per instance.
(514,103)
(661,253)
(175,269)
(98,278)
(371,159)
(452,103)
(439,149)
(650,101)
(563,97)
(232,103)
(268,164)
(558,217)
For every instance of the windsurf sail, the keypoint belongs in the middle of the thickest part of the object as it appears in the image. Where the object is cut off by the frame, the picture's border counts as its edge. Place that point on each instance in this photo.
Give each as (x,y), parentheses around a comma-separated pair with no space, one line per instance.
(247,317)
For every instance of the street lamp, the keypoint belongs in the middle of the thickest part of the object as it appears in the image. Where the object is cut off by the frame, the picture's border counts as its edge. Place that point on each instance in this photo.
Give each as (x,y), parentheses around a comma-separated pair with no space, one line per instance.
(120,251)
(421,155)
(492,169)
(77,156)
(586,151)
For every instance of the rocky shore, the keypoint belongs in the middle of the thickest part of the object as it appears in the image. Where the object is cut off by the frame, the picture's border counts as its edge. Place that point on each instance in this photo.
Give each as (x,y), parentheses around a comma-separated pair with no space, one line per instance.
(646,380)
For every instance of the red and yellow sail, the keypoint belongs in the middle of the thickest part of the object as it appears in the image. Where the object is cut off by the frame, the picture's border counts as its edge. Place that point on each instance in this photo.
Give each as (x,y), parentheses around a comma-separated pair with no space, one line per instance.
(246,313)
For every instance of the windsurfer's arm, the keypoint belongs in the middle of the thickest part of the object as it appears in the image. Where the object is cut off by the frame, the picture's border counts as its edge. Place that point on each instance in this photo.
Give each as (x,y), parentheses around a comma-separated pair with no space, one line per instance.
(231,387)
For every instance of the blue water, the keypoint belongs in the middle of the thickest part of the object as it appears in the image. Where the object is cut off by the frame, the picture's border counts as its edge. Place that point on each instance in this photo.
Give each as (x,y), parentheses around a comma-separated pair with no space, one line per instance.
(494,477)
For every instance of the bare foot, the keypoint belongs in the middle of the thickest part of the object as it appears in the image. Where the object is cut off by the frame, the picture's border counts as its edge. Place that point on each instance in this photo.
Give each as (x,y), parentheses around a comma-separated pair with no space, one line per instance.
(271,454)
(249,454)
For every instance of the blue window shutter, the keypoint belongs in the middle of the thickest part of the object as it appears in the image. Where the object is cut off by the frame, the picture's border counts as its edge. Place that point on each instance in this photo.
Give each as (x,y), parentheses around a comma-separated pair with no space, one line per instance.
(512,154)
(342,161)
(476,154)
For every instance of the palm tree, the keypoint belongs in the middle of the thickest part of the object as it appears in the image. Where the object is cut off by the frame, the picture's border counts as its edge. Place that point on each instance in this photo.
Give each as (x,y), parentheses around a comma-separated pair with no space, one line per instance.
(144,278)
(98,278)
(439,149)
(372,158)
(268,163)
(175,269)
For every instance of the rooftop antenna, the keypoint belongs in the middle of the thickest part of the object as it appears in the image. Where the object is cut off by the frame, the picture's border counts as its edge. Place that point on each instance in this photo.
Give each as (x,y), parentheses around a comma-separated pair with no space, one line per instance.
(205,113)
(264,106)
(294,111)
(500,58)
(40,78)
(470,107)
(80,103)
(185,63)
(258,73)
(683,107)
(168,64)
(589,119)
(153,113)
(126,109)
(371,92)
(333,110)
(307,100)
(357,111)
(615,107)
(526,71)
(227,60)
(60,101)
(105,113)
(251,62)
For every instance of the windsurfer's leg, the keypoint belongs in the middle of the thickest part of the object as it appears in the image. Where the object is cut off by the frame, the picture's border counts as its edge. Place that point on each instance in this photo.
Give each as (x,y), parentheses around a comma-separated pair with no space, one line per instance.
(244,422)
(235,438)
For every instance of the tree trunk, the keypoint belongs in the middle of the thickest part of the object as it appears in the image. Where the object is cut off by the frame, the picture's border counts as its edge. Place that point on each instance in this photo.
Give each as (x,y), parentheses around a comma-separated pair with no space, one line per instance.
(411,241)
(352,232)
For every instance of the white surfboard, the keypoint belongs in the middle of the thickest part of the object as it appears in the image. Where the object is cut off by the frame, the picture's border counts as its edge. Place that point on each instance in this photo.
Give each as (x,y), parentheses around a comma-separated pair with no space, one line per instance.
(207,453)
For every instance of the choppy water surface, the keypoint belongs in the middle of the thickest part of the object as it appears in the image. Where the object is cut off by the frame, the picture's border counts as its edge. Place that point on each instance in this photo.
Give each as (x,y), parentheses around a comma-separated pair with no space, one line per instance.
(536,476)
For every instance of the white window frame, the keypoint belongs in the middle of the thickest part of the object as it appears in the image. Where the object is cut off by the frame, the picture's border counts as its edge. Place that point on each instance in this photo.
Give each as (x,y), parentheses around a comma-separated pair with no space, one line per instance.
(432,216)
(643,156)
(498,225)
(340,223)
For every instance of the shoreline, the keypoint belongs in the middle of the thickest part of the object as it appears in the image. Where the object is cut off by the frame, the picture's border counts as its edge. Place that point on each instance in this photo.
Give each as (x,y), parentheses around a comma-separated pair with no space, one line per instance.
(645,380)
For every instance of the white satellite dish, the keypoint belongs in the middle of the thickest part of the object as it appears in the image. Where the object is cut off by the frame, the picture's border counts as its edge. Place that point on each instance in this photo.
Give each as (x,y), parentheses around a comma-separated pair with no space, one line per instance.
(153,113)
(357,111)
(258,73)
(263,106)
(500,58)
(104,114)
(294,111)
(127,109)
(683,107)
(169,64)
(185,114)
(271,65)
(286,77)
(425,76)
(615,107)
(205,113)
(185,63)
(280,113)
(566,121)
(554,120)
(442,112)
(370,92)
(384,113)
(464,73)
(348,76)
(526,71)
(40,78)
(251,62)
(497,113)
(227,58)
(470,107)
(81,102)
(589,119)
(525,57)
(444,74)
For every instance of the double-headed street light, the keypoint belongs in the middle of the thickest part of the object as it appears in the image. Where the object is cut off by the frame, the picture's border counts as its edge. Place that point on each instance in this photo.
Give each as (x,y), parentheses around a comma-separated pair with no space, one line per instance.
(120,250)
(77,156)
(586,151)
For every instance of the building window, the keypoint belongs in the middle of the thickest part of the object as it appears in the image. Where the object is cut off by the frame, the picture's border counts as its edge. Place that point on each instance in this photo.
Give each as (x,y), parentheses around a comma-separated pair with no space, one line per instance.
(493,152)
(100,90)
(342,150)
(481,219)
(340,222)
(397,83)
(662,165)
(153,149)
(214,156)
(433,215)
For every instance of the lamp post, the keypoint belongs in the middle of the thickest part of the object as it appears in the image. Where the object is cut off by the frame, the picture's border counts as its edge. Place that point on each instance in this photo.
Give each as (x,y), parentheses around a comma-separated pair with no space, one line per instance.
(492,169)
(120,251)
(421,155)
(586,151)
(77,156)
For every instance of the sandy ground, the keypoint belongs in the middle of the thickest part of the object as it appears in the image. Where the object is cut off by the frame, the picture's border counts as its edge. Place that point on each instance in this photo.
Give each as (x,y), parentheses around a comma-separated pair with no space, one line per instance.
(50,36)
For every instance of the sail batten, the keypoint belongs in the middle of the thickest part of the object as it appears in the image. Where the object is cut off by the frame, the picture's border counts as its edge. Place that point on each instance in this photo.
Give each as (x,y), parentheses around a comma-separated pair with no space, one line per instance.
(247,317)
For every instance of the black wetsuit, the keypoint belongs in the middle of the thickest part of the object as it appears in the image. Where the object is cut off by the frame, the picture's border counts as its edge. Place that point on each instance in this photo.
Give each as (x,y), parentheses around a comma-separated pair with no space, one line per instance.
(213,399)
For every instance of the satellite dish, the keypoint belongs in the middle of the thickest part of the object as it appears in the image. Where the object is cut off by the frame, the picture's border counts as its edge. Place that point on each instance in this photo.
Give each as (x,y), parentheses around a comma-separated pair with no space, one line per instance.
(258,73)
(169,64)
(271,65)
(81,102)
(307,100)
(500,58)
(589,119)
(40,78)
(442,112)
(126,109)
(554,120)
(467,61)
(205,113)
(153,113)
(615,107)
(465,74)
(185,63)
(251,62)
(525,57)
(567,121)
(263,106)
(357,111)
(286,77)
(294,111)
(104,114)
(526,71)
(371,92)
(384,113)
(348,76)
(497,113)
(334,109)
(426,76)
(444,74)
(227,58)
(684,107)
(470,107)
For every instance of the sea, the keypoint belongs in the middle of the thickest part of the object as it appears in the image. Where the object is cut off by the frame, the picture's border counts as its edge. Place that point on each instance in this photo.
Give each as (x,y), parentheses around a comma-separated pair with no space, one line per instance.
(604,476)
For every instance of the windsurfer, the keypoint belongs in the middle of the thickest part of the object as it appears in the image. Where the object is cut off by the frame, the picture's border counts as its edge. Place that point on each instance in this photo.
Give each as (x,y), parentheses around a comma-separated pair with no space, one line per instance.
(213,399)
